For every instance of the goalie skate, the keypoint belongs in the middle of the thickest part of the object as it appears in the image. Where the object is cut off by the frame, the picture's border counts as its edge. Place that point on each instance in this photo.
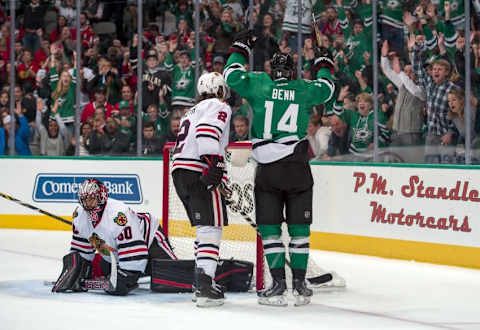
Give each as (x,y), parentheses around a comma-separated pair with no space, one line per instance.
(276,295)
(327,282)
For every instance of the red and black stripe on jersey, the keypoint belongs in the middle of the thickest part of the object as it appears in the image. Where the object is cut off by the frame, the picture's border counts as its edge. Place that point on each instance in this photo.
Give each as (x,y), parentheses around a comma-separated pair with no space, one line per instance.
(80,244)
(132,251)
(208,131)
(189,164)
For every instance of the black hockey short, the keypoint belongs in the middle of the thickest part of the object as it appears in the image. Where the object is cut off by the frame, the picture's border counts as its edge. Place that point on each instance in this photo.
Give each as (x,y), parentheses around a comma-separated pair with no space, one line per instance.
(206,208)
(283,184)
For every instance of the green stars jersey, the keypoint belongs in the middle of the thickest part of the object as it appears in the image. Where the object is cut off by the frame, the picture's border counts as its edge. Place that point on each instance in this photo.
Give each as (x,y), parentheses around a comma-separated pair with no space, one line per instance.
(183,89)
(281,108)
(361,128)
(356,44)
(391,13)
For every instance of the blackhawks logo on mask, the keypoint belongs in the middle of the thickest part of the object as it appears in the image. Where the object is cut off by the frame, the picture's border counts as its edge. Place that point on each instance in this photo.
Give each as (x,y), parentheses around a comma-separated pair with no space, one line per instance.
(120,219)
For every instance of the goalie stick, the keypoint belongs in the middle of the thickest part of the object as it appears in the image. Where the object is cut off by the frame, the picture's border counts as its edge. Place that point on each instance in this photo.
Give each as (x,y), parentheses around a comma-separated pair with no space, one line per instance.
(317,280)
(30,206)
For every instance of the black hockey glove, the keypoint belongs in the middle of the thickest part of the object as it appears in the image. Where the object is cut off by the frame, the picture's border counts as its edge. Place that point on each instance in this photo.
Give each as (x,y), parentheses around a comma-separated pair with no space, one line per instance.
(212,176)
(323,59)
(126,282)
(75,269)
(243,43)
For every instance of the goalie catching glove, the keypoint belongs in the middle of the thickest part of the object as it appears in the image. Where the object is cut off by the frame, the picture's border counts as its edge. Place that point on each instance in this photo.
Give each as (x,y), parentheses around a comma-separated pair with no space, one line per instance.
(243,43)
(323,59)
(212,176)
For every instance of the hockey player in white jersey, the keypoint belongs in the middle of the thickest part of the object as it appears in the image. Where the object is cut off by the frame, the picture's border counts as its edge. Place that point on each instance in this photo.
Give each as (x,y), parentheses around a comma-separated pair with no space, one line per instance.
(104,224)
(198,170)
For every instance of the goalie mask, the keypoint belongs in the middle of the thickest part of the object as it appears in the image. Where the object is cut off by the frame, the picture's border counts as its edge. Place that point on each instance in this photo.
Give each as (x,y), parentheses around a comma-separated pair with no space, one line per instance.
(92,189)
(212,83)
(282,66)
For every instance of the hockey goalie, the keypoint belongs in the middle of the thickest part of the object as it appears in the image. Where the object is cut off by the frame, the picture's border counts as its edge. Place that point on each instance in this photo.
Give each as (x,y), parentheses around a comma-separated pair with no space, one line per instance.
(131,245)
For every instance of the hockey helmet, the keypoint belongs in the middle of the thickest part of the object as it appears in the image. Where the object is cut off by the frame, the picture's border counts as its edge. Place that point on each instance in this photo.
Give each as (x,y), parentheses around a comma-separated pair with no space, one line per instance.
(92,188)
(282,66)
(212,83)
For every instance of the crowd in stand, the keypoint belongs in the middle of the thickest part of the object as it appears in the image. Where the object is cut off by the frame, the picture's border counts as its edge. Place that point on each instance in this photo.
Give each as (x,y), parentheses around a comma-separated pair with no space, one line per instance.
(421,99)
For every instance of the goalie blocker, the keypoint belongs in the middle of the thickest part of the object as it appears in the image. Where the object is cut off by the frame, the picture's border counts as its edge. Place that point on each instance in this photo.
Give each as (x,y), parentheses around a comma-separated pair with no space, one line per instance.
(174,276)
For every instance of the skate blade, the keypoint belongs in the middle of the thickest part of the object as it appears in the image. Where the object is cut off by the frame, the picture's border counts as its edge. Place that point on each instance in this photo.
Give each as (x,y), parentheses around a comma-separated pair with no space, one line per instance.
(301,300)
(280,301)
(204,302)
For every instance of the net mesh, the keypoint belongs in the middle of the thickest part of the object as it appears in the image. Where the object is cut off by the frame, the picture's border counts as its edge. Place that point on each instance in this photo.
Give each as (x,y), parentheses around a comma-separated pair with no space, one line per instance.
(239,238)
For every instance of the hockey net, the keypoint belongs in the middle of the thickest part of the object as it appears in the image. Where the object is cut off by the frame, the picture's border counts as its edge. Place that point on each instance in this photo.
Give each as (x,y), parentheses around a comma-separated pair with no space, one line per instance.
(240,239)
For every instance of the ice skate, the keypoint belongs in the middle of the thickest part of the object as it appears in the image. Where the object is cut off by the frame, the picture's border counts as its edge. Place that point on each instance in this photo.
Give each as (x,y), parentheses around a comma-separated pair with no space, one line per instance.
(218,286)
(207,293)
(275,295)
(301,293)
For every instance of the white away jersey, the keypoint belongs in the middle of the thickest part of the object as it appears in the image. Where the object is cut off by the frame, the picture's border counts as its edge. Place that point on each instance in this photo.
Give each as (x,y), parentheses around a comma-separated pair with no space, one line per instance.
(128,232)
(204,130)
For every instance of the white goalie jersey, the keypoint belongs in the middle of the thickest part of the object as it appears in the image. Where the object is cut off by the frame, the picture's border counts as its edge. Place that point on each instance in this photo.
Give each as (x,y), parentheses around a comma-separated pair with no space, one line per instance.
(122,229)
(204,130)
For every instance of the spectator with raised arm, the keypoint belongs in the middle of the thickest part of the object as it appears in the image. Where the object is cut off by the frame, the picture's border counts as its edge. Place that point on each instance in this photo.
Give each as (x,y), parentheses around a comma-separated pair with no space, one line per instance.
(436,86)
(408,111)
(54,138)
(63,87)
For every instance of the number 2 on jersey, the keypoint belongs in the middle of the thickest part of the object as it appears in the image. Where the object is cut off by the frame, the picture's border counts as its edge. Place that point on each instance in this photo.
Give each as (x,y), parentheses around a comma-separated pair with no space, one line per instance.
(182,135)
(288,122)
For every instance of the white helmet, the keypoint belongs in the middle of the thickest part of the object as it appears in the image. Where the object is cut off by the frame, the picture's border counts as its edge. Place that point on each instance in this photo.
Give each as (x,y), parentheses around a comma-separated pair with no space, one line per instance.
(92,188)
(210,83)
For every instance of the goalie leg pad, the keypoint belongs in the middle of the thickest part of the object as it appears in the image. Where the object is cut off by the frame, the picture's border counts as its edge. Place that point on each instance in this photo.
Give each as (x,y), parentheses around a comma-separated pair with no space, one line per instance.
(172,275)
(75,269)
(178,275)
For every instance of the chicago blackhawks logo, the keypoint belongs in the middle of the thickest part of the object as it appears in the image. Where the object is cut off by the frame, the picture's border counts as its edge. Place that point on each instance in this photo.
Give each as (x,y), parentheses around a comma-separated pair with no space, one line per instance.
(120,219)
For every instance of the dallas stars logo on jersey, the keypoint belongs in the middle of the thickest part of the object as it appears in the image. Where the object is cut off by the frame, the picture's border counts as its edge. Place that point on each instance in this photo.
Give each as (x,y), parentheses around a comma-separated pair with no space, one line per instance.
(120,219)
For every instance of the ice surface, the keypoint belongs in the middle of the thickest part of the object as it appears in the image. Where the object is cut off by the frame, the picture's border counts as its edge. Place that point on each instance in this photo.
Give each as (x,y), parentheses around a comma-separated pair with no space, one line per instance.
(380,294)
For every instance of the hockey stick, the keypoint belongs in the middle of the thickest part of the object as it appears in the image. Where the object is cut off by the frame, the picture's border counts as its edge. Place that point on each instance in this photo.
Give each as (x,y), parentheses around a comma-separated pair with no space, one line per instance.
(315,26)
(30,206)
(317,280)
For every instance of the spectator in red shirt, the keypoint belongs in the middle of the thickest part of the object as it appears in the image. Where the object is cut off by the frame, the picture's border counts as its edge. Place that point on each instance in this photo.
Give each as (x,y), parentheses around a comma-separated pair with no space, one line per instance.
(100,101)
(332,26)
(86,32)
(55,34)
(27,70)
(40,57)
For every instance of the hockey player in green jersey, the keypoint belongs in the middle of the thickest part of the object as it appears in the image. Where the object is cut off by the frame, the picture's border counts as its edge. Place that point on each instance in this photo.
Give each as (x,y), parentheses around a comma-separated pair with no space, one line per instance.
(281,110)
